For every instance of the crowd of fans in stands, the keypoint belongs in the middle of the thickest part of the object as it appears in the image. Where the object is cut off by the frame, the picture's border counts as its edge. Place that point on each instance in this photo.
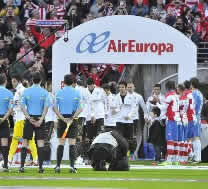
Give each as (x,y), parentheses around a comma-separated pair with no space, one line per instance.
(19,32)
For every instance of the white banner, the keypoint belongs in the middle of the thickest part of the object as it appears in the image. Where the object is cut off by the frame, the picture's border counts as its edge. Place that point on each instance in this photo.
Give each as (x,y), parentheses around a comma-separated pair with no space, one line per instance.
(124,40)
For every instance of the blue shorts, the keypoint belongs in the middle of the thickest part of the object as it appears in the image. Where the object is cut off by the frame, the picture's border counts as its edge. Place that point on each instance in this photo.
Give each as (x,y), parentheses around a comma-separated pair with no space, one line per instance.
(194,129)
(171,131)
(185,133)
(180,133)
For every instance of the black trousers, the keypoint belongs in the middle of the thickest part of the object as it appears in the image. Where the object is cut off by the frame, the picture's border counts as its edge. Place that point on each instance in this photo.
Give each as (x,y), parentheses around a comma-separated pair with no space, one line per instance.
(47,145)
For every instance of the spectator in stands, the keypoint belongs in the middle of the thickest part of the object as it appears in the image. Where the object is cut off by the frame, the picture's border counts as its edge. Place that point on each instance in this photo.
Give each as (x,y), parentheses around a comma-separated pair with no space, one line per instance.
(44,35)
(19,67)
(140,9)
(121,8)
(108,8)
(113,75)
(12,45)
(94,74)
(16,32)
(73,17)
(24,49)
(158,12)
(3,27)
(38,66)
(97,5)
(10,9)
(179,25)
(3,50)
(26,11)
(201,7)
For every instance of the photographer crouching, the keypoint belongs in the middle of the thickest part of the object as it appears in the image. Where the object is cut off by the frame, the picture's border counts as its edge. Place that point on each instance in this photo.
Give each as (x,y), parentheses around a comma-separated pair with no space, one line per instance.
(109,147)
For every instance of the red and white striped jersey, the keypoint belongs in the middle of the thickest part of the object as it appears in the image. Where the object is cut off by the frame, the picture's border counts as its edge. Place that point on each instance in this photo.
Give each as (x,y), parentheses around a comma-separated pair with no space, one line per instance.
(191,108)
(183,107)
(172,103)
(60,10)
(42,11)
(191,3)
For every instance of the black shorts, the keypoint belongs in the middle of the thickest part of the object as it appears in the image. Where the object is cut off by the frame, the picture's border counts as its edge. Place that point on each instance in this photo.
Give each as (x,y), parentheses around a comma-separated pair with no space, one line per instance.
(125,129)
(4,129)
(73,129)
(92,130)
(109,128)
(29,129)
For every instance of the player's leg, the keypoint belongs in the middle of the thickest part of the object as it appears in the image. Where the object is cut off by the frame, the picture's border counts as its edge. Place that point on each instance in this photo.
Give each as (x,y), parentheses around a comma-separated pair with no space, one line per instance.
(27,135)
(73,132)
(33,149)
(5,151)
(170,142)
(190,135)
(60,149)
(197,143)
(18,133)
(175,138)
(39,136)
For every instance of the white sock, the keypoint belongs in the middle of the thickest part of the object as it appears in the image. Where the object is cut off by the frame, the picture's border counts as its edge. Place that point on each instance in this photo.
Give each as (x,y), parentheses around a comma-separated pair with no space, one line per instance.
(194,143)
(198,144)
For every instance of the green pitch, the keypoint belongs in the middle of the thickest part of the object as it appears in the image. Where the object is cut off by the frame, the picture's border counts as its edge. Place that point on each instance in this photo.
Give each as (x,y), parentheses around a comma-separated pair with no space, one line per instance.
(170,179)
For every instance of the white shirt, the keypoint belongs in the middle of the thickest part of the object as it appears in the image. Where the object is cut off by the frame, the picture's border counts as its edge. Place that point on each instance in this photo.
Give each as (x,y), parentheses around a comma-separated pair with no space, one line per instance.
(18,113)
(150,105)
(110,105)
(51,116)
(138,101)
(95,103)
(105,138)
(125,109)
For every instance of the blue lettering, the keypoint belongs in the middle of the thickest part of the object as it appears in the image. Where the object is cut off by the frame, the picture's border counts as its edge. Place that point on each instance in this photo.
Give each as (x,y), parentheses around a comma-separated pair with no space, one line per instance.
(93,41)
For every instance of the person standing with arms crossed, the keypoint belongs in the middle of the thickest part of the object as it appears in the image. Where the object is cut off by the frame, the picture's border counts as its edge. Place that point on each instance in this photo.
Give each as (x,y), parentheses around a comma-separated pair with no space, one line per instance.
(67,108)
(34,104)
(6,103)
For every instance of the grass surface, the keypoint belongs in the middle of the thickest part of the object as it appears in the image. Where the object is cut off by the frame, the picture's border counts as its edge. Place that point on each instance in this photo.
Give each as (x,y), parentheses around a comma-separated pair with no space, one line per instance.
(89,173)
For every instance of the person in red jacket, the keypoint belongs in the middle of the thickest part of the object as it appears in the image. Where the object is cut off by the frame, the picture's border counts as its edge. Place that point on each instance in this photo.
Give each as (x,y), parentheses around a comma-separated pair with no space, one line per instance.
(93,74)
(43,35)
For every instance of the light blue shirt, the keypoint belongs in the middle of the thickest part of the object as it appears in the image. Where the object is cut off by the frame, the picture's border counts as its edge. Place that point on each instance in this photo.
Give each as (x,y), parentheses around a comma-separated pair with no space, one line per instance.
(67,100)
(6,100)
(198,100)
(35,98)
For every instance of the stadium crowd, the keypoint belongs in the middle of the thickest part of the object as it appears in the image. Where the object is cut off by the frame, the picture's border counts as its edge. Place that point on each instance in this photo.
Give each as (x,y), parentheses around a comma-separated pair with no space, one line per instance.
(23,25)
(21,29)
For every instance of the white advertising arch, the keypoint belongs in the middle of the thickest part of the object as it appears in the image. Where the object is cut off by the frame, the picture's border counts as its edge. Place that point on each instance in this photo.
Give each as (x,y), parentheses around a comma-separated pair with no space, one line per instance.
(124,40)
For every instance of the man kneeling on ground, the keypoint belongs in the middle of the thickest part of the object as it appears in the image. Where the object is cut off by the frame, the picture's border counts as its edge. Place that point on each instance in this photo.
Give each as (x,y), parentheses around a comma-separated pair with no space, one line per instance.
(109,147)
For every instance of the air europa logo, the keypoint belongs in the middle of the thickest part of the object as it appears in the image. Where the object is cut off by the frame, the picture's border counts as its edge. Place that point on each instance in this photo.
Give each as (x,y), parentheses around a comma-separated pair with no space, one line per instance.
(94,44)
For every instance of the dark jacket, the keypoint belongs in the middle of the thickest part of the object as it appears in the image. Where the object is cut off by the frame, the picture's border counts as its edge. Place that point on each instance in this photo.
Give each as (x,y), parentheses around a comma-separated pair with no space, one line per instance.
(19,68)
(155,133)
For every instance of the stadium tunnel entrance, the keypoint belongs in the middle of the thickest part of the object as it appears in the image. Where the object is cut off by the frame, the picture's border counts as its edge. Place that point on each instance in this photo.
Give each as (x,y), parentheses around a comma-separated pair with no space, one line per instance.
(124,40)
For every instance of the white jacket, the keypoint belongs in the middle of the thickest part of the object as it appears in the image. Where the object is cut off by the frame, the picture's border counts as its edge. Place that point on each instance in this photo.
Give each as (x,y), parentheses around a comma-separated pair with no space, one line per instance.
(110,104)
(125,109)
(139,102)
(95,103)
(150,105)
(18,113)
(105,138)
